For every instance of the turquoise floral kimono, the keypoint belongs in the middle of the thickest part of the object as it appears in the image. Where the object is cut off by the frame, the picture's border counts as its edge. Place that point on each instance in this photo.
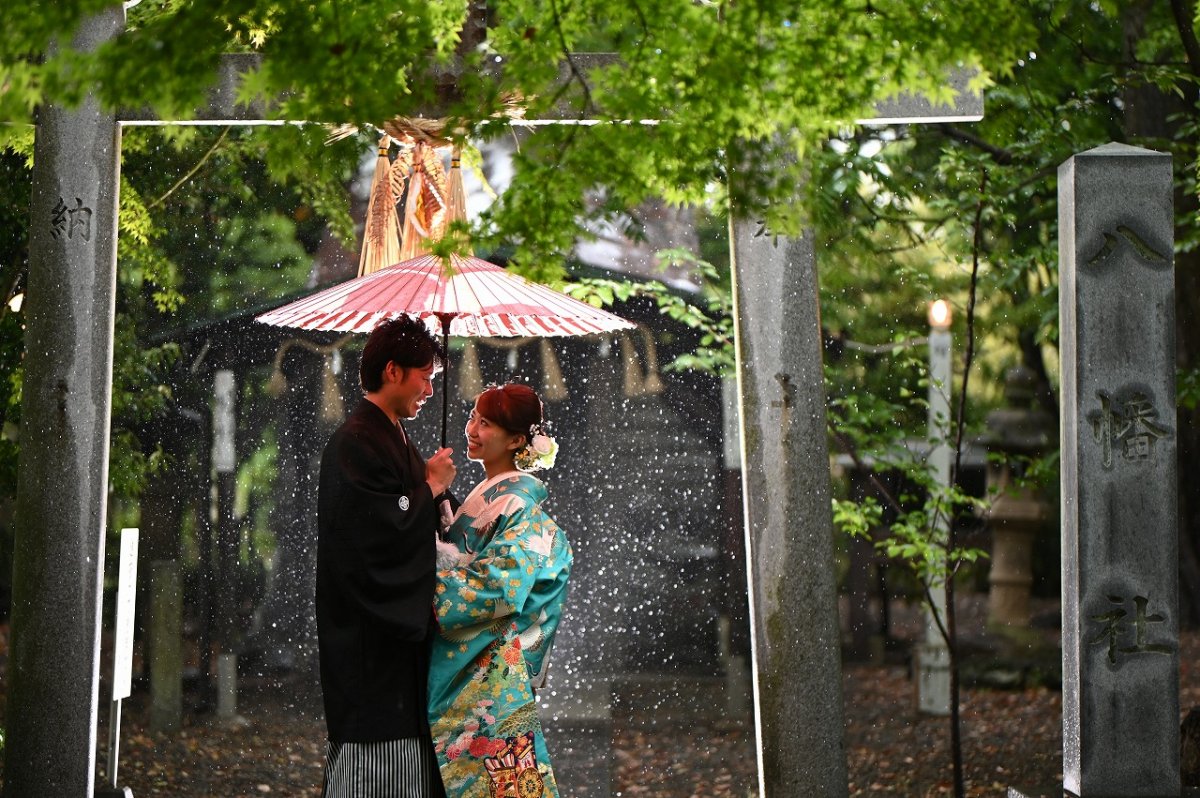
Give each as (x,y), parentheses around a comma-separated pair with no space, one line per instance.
(497,614)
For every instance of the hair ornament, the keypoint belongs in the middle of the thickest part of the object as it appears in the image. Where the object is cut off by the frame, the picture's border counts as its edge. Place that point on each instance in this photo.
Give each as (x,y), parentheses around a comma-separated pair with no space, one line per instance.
(539,451)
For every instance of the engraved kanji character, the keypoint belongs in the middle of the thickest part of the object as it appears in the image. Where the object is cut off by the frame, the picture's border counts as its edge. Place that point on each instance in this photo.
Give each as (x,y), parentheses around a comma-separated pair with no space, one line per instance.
(58,219)
(1138,428)
(1115,626)
(81,217)
(1103,424)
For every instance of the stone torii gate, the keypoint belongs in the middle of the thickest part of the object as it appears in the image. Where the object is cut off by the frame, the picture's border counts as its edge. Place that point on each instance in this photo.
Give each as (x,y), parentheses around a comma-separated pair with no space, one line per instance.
(63,480)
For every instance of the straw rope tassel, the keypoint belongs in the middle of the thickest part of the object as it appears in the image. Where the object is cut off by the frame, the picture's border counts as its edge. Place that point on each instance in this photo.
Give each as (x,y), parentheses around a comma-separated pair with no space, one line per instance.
(456,205)
(381,242)
(332,407)
(426,210)
(654,383)
(634,385)
(470,379)
(412,239)
(278,383)
(554,388)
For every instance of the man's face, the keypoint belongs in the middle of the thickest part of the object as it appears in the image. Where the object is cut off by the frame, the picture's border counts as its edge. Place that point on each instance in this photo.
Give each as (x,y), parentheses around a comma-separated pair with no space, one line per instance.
(407,389)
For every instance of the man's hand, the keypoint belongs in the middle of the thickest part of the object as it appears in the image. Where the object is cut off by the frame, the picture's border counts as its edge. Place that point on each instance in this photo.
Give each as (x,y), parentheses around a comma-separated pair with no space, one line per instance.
(440,471)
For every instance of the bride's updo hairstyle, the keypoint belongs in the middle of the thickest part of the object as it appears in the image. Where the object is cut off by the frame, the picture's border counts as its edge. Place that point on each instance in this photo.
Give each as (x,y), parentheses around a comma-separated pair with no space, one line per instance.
(517,409)
(514,406)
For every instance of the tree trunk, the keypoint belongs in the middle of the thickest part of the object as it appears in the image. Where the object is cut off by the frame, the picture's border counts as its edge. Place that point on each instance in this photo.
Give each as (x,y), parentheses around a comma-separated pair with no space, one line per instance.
(1151,119)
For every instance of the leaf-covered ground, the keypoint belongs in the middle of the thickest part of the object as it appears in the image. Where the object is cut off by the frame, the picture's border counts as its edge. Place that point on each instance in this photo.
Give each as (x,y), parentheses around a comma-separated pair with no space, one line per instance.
(1011,737)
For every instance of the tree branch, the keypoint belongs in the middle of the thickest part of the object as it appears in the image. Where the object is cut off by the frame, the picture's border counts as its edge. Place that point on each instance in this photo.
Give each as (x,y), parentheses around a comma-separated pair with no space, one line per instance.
(160,200)
(999,154)
(848,447)
(1185,15)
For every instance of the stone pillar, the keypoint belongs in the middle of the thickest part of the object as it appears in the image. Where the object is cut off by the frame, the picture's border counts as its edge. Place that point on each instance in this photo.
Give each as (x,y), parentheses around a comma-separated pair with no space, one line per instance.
(1119,525)
(1020,430)
(63,480)
(786,478)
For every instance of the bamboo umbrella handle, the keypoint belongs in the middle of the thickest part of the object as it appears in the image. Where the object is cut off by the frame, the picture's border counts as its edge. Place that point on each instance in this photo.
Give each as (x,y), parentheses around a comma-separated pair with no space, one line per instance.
(445,318)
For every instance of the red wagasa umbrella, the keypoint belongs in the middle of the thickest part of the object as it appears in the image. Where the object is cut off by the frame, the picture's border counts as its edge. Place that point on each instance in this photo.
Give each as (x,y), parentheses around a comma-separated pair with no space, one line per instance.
(460,295)
(470,295)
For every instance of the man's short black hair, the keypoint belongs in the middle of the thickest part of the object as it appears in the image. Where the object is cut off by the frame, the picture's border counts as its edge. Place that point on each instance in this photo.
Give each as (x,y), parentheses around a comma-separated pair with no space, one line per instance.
(405,341)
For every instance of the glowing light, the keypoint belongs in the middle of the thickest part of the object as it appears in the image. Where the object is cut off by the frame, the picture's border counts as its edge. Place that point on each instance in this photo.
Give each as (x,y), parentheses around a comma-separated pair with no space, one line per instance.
(939,315)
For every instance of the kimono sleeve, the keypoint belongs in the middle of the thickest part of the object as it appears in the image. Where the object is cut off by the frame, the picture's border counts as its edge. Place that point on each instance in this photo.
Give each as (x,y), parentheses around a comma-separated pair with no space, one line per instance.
(495,585)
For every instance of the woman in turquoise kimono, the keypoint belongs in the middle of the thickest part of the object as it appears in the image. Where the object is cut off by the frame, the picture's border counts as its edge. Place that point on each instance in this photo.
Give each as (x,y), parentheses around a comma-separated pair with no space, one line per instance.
(502,581)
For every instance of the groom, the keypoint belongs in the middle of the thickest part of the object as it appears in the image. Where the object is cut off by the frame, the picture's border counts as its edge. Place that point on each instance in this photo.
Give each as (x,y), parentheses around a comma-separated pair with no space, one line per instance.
(377,520)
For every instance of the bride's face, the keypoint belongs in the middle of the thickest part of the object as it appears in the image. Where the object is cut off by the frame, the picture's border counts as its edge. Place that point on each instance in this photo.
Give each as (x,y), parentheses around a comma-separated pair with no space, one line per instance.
(488,442)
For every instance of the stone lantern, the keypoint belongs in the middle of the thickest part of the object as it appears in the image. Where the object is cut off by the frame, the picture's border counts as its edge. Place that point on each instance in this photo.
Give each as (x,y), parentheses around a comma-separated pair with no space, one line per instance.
(1016,433)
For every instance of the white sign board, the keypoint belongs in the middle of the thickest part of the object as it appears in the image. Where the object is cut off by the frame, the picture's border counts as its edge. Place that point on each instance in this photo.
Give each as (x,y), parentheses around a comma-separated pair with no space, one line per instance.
(126,599)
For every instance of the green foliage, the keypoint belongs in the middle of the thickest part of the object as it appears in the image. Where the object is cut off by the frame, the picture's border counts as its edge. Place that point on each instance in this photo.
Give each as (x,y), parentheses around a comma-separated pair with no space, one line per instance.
(857,519)
(742,83)
(897,208)
(866,421)
(919,536)
(215,223)
(879,434)
(902,216)
(1188,388)
(714,351)
(298,158)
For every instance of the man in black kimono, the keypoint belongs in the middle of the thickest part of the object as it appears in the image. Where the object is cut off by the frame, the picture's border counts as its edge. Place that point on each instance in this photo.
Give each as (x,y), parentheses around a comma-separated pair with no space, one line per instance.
(377,517)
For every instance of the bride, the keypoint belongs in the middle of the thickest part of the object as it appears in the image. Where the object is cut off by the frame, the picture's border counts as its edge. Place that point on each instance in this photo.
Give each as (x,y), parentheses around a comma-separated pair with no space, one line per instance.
(502,581)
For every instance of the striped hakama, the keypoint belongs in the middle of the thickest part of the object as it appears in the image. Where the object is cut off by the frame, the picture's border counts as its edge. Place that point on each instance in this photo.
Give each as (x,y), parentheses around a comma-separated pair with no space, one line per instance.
(403,768)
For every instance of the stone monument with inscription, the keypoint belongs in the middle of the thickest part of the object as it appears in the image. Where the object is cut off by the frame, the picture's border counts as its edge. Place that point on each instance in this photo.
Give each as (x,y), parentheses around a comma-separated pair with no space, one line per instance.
(62,489)
(1119,513)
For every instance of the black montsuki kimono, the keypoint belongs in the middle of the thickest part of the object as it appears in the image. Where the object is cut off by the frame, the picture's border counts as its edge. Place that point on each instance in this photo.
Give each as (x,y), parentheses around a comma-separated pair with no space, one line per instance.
(375,578)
